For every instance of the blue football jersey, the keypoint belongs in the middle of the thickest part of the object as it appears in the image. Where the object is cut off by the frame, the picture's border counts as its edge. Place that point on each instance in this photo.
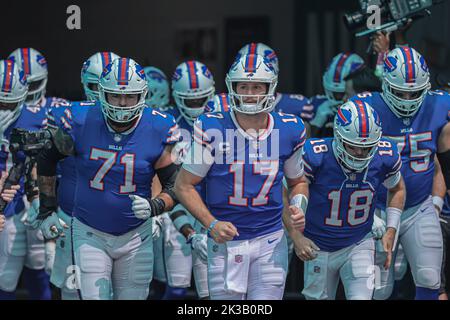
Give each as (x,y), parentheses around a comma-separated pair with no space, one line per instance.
(342,203)
(111,166)
(243,185)
(446,207)
(416,140)
(296,104)
(30,118)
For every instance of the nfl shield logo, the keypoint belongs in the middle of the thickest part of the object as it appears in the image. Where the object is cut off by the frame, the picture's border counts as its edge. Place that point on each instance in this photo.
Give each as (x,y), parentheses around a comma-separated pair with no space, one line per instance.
(238,258)
(353,177)
(316,269)
(406,121)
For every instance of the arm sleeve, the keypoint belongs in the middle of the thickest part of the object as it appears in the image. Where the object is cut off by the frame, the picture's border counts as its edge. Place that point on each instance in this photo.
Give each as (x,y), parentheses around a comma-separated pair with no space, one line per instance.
(200,157)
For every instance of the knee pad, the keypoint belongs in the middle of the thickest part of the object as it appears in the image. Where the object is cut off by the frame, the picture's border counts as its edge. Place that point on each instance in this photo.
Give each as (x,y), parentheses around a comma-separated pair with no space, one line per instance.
(428,278)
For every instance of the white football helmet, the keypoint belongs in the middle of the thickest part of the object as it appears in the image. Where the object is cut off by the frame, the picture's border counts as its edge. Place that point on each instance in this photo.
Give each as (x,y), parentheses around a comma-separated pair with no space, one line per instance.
(192,80)
(356,124)
(92,70)
(34,66)
(252,68)
(333,79)
(123,76)
(406,81)
(14,90)
(261,49)
(158,88)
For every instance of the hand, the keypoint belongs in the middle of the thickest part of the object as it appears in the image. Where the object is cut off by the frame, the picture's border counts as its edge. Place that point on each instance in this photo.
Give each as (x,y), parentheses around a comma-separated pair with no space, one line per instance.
(8,194)
(305,249)
(324,112)
(156,228)
(2,222)
(378,227)
(388,243)
(141,207)
(199,245)
(53,227)
(224,231)
(380,42)
(29,218)
(297,218)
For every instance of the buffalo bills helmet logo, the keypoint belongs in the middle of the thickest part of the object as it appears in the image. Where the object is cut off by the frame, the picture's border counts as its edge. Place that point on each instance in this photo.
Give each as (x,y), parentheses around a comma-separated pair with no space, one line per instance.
(156,76)
(22,77)
(41,60)
(140,72)
(177,75)
(376,118)
(86,65)
(390,64)
(343,117)
(206,72)
(423,64)
(106,70)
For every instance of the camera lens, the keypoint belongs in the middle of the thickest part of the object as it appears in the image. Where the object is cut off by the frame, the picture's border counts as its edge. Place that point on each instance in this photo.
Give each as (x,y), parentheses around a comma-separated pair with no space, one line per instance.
(354,20)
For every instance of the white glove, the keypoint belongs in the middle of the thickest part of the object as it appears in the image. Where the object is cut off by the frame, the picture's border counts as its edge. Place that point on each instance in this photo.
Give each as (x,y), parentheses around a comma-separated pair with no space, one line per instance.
(50,252)
(378,227)
(141,207)
(29,218)
(52,227)
(199,245)
(324,112)
(156,228)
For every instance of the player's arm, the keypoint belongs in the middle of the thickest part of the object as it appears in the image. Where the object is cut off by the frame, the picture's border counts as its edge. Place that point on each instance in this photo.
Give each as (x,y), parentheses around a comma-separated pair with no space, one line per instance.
(220,231)
(396,196)
(62,146)
(444,154)
(198,241)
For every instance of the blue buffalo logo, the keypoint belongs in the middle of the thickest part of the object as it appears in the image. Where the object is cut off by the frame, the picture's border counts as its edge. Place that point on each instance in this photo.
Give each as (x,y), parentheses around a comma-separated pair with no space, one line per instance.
(343,117)
(376,118)
(206,72)
(106,70)
(423,64)
(22,77)
(156,76)
(41,61)
(177,75)
(140,72)
(86,65)
(390,64)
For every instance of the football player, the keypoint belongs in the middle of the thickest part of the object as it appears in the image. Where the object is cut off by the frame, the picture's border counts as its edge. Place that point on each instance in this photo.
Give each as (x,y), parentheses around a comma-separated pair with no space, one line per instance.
(115,163)
(296,104)
(22,249)
(62,267)
(247,249)
(342,177)
(333,82)
(158,88)
(185,239)
(92,70)
(34,65)
(416,118)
